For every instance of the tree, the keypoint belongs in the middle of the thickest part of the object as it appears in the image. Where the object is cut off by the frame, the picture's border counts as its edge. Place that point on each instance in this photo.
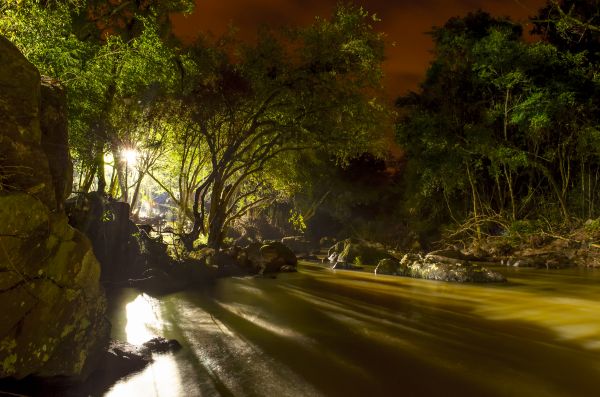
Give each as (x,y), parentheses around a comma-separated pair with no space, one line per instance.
(292,91)
(572,25)
(103,51)
(500,124)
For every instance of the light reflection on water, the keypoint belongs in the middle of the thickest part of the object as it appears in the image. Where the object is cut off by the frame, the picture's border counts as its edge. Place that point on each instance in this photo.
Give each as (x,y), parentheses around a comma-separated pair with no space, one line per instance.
(323,333)
(144,320)
(161,378)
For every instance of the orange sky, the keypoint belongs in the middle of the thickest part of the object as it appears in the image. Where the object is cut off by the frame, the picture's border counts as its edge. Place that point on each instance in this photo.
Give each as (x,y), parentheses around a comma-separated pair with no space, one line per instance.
(405,22)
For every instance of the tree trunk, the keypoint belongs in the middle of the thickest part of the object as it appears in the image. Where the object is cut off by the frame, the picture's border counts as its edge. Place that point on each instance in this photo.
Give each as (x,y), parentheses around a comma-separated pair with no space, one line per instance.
(100,171)
(216,217)
(136,192)
(121,174)
(86,184)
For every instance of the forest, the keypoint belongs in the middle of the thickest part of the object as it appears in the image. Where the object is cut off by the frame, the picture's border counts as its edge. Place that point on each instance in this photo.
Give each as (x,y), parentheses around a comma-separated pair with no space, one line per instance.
(133,159)
(500,137)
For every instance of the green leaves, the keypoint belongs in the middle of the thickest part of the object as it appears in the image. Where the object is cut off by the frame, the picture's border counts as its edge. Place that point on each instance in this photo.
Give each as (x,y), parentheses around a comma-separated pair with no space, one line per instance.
(519,117)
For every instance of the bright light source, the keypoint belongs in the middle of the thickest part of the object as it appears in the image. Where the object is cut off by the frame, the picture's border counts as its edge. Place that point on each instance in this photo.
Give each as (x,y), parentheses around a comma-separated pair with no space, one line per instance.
(130,155)
(108,158)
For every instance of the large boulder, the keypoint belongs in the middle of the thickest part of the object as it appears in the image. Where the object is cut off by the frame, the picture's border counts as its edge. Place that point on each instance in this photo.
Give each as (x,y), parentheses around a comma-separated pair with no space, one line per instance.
(276,257)
(51,303)
(354,252)
(391,266)
(431,268)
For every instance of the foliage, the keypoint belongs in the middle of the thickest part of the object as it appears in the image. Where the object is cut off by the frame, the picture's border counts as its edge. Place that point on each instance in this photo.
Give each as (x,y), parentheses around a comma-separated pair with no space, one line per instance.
(500,130)
(292,91)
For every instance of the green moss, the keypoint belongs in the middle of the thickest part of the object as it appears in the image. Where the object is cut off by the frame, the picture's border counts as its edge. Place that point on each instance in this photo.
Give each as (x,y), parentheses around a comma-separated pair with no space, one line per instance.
(8,365)
(8,344)
(67,330)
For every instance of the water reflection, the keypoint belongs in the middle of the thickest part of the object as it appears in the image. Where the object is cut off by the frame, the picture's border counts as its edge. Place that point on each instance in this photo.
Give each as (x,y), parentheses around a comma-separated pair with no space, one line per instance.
(344,334)
(160,379)
(143,319)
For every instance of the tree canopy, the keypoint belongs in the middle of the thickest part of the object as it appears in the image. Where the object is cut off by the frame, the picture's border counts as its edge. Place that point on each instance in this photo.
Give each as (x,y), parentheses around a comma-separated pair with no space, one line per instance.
(209,121)
(502,129)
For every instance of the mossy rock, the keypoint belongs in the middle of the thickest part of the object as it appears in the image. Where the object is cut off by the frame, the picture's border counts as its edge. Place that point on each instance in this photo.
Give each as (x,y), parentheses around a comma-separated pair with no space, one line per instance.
(275,255)
(391,266)
(357,252)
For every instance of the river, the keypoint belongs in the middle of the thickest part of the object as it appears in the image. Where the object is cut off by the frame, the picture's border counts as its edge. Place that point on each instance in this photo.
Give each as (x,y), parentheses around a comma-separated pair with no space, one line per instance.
(320,332)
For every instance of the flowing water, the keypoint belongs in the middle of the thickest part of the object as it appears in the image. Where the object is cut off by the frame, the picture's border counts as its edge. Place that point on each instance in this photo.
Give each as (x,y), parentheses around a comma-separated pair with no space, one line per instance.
(320,332)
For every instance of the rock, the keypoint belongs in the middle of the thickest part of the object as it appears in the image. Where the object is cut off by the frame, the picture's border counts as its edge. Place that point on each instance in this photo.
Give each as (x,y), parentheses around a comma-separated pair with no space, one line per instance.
(430,269)
(161,345)
(275,255)
(117,241)
(52,307)
(123,358)
(357,252)
(23,161)
(55,138)
(391,266)
(297,244)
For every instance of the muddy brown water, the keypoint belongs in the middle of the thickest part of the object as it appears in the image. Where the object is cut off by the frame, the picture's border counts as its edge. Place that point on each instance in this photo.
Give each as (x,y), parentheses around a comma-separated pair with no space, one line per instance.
(320,332)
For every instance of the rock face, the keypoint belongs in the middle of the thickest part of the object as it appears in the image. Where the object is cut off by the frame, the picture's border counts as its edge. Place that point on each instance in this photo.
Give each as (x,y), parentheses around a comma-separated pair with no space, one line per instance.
(55,138)
(51,304)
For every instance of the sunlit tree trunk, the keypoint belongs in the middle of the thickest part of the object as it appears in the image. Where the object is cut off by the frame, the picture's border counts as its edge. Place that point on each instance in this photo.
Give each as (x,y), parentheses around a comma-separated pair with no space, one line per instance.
(121,174)
(136,192)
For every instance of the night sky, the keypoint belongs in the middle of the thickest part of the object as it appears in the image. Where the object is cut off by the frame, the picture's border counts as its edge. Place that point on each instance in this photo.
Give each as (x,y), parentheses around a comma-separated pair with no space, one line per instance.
(404,21)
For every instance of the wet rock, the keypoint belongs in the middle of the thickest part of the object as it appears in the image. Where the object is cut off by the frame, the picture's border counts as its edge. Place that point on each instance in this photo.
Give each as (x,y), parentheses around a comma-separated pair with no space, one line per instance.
(391,266)
(357,252)
(161,345)
(431,269)
(123,358)
(275,255)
